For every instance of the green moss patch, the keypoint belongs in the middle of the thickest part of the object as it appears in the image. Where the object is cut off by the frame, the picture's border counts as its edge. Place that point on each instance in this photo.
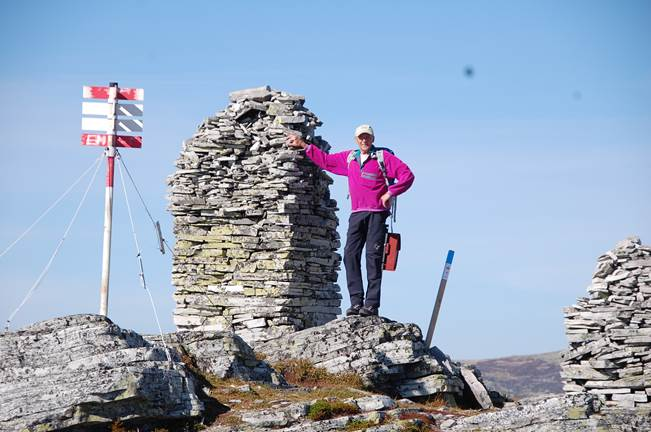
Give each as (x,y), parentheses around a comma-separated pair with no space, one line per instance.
(324,409)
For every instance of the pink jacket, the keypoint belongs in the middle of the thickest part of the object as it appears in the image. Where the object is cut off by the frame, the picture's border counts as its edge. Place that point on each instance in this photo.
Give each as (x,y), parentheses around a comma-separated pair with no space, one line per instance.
(366,183)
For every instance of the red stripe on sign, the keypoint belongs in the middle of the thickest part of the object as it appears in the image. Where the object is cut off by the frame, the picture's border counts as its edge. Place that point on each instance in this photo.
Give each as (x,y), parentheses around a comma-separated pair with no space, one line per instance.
(101,140)
(94,92)
(129,141)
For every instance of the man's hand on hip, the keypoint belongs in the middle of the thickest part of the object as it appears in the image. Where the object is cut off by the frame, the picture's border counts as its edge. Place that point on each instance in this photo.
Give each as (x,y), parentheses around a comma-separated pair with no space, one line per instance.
(386,200)
(295,141)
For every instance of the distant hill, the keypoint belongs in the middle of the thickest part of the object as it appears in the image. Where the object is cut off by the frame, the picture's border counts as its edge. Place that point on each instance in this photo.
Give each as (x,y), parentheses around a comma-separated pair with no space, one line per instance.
(522,376)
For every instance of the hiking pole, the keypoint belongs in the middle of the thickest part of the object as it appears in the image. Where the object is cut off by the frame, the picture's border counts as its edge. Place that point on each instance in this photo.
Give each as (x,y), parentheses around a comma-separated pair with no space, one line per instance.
(439,298)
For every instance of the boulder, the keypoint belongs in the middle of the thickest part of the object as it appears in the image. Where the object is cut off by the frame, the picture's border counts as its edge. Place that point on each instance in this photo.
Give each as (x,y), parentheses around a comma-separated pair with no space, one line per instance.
(221,355)
(85,372)
(387,355)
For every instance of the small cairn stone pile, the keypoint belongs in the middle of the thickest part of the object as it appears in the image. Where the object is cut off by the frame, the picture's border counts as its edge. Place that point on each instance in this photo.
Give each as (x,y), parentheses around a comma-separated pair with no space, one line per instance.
(255,227)
(610,331)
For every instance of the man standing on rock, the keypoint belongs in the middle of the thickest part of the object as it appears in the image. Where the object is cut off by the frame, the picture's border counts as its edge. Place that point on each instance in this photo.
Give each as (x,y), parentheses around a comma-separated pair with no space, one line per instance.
(371,192)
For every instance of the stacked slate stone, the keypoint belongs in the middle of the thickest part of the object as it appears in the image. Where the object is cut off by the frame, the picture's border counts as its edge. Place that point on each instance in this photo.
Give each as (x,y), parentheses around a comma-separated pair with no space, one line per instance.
(610,331)
(254,222)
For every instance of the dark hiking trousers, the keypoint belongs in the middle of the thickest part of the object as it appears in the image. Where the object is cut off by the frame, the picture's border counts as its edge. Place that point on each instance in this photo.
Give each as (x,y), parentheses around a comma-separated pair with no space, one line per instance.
(365,228)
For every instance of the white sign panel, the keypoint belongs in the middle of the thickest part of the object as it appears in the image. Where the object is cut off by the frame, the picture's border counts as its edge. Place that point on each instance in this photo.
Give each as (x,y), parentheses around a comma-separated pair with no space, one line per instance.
(105,125)
(103,109)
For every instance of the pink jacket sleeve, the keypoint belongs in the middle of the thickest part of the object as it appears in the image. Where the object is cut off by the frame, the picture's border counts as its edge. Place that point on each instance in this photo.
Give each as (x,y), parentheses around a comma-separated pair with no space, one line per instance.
(397,169)
(335,163)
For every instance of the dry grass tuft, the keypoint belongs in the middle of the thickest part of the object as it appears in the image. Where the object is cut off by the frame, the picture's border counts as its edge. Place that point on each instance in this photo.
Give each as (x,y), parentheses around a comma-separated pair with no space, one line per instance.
(436,401)
(303,372)
(424,418)
(117,426)
(418,427)
(228,419)
(264,396)
(355,425)
(436,404)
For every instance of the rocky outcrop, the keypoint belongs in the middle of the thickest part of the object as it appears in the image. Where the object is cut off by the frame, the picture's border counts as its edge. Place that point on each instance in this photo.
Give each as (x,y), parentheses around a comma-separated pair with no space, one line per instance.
(610,331)
(85,372)
(569,413)
(254,223)
(387,355)
(379,413)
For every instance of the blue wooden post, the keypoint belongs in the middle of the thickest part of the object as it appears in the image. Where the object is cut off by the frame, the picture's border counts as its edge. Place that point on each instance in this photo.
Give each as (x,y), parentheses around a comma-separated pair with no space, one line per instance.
(439,298)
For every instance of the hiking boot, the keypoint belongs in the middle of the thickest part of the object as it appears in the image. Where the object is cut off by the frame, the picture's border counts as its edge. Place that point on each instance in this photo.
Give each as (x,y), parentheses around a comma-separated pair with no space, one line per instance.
(353,310)
(368,311)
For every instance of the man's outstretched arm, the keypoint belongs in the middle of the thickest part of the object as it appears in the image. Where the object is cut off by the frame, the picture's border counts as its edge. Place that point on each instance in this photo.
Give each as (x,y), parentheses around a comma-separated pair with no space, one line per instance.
(335,163)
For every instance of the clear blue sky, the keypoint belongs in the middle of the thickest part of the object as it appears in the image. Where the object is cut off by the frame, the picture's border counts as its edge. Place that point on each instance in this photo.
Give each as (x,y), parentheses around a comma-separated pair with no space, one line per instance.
(529,170)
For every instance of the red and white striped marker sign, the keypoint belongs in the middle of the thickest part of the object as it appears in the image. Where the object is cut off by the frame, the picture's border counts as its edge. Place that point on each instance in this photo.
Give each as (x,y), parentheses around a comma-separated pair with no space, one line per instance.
(99,92)
(101,140)
(117,118)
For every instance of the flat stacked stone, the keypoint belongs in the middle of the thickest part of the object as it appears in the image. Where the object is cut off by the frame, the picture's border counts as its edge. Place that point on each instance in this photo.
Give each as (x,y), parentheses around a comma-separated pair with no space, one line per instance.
(255,227)
(610,331)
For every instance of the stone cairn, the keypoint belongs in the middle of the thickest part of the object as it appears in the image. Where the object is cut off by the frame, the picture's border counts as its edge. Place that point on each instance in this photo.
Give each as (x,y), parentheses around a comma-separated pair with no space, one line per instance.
(255,227)
(610,331)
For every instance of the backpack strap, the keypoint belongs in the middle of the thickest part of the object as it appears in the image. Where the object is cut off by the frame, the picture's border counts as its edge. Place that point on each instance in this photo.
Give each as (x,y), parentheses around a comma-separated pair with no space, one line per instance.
(379,156)
(385,148)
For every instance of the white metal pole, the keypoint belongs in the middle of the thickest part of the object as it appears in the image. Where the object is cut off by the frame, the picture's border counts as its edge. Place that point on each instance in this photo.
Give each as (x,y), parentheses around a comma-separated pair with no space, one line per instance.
(108,199)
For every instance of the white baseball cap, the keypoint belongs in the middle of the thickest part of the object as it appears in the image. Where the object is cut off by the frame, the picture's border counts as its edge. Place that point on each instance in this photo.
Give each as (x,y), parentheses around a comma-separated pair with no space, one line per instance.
(361,129)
